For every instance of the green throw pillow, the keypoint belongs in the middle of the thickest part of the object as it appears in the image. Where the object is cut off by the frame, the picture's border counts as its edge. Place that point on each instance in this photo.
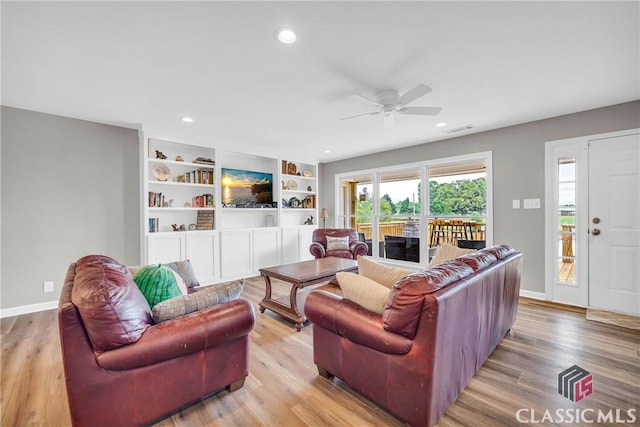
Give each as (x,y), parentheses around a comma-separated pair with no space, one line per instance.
(157,283)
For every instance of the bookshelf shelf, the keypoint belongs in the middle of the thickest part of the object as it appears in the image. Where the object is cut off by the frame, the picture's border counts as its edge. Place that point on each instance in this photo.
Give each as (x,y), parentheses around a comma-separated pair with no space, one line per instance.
(185,218)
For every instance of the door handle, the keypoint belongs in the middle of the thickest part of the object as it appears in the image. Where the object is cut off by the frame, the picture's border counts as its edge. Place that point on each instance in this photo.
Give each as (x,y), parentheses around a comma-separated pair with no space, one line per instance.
(595,231)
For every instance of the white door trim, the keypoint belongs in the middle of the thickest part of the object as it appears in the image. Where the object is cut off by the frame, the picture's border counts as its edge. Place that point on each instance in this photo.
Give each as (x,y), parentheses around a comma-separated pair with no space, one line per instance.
(574,295)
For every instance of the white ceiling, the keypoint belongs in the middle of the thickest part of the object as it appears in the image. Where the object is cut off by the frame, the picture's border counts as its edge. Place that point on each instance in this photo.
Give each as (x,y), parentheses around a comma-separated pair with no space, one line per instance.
(490,64)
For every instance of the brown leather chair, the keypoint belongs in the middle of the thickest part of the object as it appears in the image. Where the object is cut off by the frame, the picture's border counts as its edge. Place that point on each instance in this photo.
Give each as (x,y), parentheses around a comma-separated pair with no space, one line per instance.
(438,327)
(318,246)
(123,370)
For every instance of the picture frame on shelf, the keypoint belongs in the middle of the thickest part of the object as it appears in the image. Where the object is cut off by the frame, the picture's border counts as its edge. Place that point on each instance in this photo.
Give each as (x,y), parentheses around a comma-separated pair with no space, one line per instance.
(205,220)
(292,169)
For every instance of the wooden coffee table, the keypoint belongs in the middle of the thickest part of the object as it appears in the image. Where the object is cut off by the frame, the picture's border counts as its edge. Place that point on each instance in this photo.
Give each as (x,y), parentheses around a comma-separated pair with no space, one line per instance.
(300,275)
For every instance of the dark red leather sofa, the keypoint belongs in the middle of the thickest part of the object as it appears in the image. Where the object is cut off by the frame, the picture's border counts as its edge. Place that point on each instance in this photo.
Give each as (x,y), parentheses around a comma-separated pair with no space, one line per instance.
(122,370)
(438,328)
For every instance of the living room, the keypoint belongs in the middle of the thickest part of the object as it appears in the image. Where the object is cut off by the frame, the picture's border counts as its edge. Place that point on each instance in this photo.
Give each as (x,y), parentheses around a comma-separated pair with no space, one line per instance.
(73,153)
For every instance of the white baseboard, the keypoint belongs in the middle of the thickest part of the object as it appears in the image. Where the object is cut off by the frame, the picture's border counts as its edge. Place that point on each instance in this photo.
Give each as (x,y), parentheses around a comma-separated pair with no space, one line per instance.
(26,309)
(533,295)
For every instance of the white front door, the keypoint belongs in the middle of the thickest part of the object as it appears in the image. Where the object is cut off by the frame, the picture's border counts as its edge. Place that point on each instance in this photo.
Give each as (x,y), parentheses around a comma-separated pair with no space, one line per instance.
(614,224)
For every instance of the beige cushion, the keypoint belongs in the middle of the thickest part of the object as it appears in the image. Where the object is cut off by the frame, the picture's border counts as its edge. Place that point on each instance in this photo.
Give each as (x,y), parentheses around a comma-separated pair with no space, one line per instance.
(447,252)
(337,243)
(207,297)
(383,274)
(363,291)
(185,270)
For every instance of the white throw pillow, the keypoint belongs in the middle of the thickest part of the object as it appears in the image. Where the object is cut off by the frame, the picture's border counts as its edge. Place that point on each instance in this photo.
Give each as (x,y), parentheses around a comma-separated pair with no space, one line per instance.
(337,243)
(363,291)
(383,274)
(447,252)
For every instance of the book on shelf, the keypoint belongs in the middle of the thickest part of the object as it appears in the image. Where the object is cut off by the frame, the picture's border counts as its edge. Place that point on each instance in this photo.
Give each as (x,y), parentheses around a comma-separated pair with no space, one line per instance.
(154,225)
(202,201)
(198,176)
(205,220)
(156,200)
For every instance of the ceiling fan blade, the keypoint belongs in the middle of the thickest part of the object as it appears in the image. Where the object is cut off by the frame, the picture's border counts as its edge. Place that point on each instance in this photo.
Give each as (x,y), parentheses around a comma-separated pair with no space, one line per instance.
(372,113)
(369,100)
(414,94)
(423,111)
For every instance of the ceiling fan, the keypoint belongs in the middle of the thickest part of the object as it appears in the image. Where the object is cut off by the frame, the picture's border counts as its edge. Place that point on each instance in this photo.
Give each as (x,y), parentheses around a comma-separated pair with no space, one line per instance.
(389,103)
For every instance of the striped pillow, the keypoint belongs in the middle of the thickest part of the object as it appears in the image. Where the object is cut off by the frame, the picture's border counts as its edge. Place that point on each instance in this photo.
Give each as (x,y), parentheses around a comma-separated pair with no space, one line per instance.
(207,297)
(157,283)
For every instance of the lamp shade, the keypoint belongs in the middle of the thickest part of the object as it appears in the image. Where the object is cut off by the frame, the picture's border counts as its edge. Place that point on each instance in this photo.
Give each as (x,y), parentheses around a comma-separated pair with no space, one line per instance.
(324,213)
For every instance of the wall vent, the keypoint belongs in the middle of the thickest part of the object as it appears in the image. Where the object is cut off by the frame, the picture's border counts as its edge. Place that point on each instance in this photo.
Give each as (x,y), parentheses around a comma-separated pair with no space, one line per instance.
(458,129)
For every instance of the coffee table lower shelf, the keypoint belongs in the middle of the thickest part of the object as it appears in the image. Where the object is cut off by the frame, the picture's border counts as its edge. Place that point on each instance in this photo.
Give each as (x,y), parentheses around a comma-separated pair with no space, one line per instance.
(300,275)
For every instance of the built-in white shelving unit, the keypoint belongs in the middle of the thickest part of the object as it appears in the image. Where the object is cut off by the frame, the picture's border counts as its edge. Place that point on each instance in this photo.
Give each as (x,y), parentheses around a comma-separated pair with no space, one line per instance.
(225,230)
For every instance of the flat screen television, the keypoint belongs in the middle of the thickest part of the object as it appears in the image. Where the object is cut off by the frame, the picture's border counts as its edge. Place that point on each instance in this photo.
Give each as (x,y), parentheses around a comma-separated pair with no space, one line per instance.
(243,188)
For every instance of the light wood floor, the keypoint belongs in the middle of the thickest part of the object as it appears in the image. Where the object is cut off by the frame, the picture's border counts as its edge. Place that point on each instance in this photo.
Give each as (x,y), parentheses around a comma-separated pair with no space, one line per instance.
(283,388)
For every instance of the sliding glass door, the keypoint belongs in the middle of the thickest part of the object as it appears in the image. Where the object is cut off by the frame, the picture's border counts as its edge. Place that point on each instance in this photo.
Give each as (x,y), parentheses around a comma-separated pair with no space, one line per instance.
(403,213)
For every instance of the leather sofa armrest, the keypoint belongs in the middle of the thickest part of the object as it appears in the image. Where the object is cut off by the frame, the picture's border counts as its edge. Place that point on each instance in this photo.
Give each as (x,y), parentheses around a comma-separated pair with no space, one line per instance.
(183,335)
(359,248)
(317,250)
(351,321)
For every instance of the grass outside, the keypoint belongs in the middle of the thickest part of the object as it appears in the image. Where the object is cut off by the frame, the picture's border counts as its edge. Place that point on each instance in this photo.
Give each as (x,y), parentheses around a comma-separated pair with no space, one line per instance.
(567,220)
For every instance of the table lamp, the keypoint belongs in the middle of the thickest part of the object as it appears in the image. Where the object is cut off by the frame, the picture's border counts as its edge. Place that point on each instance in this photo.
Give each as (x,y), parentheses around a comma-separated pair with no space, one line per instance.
(324,214)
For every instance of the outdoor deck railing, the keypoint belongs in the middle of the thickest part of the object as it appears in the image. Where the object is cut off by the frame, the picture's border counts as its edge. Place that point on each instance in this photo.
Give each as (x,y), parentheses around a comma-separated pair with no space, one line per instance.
(396,228)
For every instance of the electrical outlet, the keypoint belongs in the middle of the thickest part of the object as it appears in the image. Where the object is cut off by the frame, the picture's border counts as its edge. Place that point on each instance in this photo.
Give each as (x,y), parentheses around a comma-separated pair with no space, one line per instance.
(47,286)
(531,203)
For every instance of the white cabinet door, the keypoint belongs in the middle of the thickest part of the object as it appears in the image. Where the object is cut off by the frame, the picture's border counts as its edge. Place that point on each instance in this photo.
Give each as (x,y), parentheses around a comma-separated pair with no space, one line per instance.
(200,250)
(295,244)
(266,248)
(290,245)
(166,247)
(236,249)
(304,242)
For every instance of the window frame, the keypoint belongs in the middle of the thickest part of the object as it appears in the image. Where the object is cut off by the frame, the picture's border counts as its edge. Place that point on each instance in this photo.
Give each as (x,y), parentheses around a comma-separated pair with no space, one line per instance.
(423,168)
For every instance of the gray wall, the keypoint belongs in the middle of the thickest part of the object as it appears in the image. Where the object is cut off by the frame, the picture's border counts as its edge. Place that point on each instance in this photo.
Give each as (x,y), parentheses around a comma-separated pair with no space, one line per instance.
(518,172)
(69,188)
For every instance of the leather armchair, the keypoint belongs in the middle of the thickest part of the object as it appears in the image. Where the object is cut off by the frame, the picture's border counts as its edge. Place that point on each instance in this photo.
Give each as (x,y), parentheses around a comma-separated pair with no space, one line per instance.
(318,246)
(121,369)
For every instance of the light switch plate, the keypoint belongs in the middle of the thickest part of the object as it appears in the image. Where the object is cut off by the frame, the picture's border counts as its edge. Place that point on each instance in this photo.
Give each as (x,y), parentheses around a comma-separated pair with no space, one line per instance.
(47,286)
(516,204)
(531,203)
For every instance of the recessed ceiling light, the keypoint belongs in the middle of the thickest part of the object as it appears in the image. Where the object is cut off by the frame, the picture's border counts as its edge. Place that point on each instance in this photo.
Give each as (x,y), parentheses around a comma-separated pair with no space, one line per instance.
(327,151)
(187,119)
(441,125)
(286,36)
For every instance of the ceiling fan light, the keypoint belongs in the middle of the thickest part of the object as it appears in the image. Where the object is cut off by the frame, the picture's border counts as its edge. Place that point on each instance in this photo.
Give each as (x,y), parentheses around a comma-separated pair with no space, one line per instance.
(388,120)
(286,36)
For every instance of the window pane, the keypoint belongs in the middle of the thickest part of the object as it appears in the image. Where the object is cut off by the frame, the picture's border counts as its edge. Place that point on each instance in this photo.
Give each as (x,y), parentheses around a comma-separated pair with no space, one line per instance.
(399,212)
(566,220)
(356,207)
(458,208)
(567,194)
